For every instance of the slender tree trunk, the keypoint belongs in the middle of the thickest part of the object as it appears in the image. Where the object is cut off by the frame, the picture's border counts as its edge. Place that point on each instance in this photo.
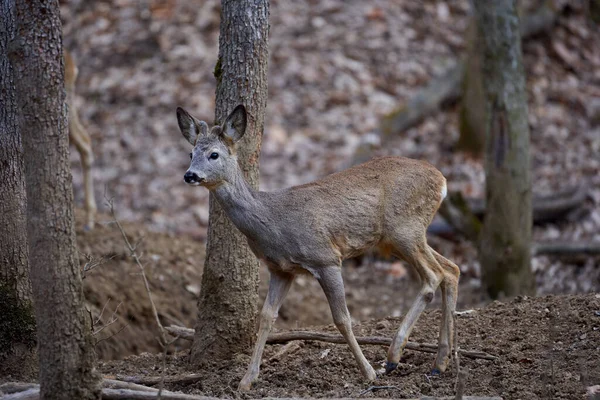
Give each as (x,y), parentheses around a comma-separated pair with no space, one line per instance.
(17,324)
(64,346)
(472,108)
(506,232)
(227,306)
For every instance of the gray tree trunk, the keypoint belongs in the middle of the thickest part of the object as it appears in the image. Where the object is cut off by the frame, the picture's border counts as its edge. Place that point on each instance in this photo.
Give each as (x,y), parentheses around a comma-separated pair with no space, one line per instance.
(64,347)
(17,324)
(472,108)
(227,306)
(506,232)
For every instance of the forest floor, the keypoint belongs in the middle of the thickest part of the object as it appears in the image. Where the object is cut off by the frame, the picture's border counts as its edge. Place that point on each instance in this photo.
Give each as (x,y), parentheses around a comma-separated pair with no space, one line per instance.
(547,347)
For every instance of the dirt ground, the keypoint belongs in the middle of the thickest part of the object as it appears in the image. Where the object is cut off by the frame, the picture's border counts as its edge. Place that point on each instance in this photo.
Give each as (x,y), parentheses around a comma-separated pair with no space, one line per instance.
(547,348)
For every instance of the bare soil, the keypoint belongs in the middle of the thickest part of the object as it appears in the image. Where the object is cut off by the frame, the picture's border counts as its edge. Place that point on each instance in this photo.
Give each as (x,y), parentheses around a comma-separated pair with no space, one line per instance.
(547,348)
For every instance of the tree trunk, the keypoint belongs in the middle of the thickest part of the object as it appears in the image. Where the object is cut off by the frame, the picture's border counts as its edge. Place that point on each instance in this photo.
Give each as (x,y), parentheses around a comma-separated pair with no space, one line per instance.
(506,232)
(64,346)
(227,306)
(17,325)
(472,108)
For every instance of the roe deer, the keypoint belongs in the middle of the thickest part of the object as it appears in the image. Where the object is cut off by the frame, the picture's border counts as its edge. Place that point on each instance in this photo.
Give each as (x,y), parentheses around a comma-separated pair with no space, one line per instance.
(386,202)
(79,136)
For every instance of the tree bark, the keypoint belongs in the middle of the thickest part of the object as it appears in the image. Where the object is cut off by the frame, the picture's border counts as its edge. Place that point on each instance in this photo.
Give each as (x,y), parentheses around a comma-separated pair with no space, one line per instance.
(65,350)
(506,231)
(227,306)
(472,108)
(17,325)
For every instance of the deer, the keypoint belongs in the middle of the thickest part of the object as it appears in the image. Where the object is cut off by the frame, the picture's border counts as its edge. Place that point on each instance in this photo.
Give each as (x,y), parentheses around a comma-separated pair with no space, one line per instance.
(386,203)
(80,137)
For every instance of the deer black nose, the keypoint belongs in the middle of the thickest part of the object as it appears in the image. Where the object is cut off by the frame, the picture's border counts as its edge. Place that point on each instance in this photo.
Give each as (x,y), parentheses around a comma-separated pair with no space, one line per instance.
(191,177)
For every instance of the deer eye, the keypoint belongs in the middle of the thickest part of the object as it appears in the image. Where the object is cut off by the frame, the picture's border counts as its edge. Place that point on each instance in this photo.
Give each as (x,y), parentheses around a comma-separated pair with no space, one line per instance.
(214,156)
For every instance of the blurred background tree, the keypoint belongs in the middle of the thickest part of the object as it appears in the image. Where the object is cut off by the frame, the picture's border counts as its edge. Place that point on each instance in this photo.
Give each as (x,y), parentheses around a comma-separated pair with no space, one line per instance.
(504,248)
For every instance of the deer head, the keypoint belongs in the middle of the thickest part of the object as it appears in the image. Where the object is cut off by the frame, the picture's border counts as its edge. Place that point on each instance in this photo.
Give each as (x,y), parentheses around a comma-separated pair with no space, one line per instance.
(213,157)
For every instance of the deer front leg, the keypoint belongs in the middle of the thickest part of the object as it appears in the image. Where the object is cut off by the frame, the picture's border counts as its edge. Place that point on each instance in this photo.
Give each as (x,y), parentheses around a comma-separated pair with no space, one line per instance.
(333,286)
(278,287)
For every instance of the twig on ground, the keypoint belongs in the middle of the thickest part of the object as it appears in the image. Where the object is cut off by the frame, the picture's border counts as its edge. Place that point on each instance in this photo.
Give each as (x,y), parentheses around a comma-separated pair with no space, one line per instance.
(111,389)
(375,388)
(155,380)
(115,384)
(284,337)
(16,387)
(165,346)
(287,348)
(114,394)
(461,372)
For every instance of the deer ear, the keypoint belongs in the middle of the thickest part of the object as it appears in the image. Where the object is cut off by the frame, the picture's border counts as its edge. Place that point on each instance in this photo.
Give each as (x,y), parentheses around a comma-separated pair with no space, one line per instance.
(234,126)
(190,127)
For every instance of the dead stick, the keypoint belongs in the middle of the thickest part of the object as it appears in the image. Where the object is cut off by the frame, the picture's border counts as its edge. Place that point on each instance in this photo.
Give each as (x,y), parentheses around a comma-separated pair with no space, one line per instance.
(154,380)
(284,337)
(125,394)
(122,394)
(114,394)
(108,383)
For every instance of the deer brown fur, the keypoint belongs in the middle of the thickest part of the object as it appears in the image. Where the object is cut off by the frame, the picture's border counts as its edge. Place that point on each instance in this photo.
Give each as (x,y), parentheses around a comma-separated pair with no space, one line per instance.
(309,229)
(80,137)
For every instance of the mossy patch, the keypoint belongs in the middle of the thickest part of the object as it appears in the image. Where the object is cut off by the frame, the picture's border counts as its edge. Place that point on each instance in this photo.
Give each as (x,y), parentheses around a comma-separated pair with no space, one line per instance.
(17,325)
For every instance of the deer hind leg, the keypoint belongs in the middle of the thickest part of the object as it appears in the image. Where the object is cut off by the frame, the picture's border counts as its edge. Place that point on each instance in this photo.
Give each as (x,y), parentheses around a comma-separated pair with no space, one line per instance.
(449,287)
(431,275)
(279,285)
(82,141)
(331,281)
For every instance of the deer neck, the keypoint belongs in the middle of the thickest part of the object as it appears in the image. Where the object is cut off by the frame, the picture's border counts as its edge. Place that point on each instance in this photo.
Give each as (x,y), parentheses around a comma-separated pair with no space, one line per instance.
(241,204)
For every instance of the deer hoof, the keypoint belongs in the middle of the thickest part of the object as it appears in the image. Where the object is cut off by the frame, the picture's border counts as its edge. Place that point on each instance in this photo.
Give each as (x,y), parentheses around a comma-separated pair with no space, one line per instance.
(436,372)
(244,386)
(390,366)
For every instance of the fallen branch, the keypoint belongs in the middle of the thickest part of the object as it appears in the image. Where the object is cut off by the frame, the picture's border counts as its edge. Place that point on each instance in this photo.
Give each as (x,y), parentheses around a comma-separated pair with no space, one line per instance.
(108,383)
(125,394)
(112,389)
(566,249)
(464,215)
(16,387)
(375,388)
(287,349)
(155,380)
(115,394)
(447,88)
(547,208)
(284,337)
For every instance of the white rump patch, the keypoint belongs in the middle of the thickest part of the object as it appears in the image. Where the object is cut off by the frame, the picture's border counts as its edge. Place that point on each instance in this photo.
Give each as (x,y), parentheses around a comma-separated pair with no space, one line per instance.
(444,191)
